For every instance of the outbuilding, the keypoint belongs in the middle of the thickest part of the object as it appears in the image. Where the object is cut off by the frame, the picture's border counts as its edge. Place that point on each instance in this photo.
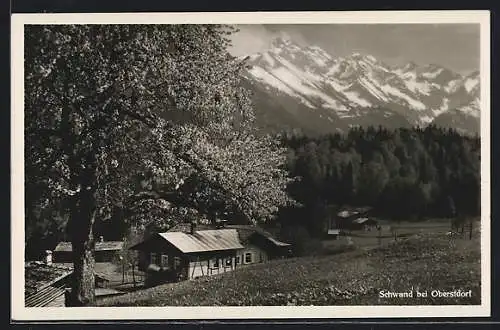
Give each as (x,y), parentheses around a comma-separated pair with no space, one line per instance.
(46,284)
(105,251)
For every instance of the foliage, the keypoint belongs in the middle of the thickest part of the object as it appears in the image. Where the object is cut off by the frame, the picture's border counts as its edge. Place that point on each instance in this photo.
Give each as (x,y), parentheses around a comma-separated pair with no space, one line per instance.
(148,121)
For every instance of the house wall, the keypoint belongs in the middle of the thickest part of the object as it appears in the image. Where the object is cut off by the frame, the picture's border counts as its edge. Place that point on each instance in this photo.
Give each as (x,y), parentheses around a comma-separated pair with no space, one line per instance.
(170,262)
(267,248)
(100,256)
(207,266)
(258,255)
(106,256)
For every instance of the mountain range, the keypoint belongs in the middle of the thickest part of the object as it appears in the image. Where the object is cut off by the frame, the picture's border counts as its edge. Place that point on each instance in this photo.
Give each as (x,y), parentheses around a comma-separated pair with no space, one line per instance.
(306,88)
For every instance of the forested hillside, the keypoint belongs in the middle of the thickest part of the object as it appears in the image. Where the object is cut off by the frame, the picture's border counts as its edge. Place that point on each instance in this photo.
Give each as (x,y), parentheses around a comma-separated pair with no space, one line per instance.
(402,173)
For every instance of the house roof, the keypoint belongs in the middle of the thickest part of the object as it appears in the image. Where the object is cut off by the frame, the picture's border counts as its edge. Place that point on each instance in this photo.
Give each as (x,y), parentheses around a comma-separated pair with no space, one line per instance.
(276,242)
(99,246)
(362,220)
(38,275)
(204,240)
(349,212)
(42,282)
(245,231)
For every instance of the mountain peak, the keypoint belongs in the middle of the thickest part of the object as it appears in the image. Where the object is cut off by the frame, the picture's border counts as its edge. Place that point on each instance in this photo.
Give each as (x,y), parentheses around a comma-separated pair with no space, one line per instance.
(410,66)
(352,88)
(318,52)
(360,57)
(283,39)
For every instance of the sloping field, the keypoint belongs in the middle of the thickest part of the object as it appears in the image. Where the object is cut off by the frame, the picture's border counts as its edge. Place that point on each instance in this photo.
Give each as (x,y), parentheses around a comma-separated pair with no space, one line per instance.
(425,262)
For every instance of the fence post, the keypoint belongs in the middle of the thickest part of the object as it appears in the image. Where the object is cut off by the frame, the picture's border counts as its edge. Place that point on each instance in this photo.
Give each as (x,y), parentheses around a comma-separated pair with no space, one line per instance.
(123,269)
(133,273)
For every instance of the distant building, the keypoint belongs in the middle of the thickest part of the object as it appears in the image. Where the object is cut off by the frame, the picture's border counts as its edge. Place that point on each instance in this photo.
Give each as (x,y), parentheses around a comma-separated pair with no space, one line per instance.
(333,233)
(366,224)
(189,253)
(353,219)
(105,251)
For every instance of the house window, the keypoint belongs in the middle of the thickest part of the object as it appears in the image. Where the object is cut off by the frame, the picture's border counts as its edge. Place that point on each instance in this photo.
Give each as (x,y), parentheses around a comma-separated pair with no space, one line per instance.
(229,262)
(153,258)
(216,263)
(237,261)
(177,262)
(248,257)
(164,261)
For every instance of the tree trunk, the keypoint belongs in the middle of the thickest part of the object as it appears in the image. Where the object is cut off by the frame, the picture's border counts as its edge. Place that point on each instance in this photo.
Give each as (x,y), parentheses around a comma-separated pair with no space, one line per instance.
(82,239)
(83,285)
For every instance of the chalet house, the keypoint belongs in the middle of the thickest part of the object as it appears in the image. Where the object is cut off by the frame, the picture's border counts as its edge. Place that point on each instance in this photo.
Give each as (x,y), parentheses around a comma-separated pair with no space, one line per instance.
(181,254)
(105,251)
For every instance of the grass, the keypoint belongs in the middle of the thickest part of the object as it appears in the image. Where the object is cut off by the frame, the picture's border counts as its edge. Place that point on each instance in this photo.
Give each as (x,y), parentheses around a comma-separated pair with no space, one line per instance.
(425,262)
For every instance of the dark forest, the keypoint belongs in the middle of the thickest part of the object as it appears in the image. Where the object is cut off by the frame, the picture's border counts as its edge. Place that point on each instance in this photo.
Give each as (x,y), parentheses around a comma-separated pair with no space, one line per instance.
(407,174)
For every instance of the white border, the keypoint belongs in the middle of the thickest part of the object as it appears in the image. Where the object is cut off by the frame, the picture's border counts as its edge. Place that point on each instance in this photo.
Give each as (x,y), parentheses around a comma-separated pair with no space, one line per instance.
(19,313)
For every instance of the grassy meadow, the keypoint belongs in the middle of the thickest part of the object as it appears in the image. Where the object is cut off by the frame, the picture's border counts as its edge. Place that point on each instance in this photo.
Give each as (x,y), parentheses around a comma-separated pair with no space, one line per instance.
(428,259)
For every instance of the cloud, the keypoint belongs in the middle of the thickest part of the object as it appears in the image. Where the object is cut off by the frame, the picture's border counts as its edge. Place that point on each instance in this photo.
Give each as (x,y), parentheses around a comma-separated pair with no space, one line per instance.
(250,39)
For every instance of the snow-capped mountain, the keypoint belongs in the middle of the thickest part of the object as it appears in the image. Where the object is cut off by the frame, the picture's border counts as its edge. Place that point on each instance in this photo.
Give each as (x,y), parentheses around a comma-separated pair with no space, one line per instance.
(303,86)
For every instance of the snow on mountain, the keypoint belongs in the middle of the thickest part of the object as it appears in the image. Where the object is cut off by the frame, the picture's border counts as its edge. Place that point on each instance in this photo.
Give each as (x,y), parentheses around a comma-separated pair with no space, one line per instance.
(471,109)
(471,82)
(464,118)
(432,74)
(337,88)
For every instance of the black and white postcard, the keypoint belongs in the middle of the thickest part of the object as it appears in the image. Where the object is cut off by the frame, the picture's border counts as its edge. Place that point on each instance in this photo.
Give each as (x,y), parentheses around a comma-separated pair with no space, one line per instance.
(250,165)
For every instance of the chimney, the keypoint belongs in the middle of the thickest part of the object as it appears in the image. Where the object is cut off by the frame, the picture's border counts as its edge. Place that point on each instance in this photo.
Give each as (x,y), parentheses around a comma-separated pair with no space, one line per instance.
(101,239)
(193,226)
(48,257)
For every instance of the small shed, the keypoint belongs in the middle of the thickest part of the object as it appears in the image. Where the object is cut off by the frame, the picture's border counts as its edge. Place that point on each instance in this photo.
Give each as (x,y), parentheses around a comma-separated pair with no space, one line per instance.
(45,284)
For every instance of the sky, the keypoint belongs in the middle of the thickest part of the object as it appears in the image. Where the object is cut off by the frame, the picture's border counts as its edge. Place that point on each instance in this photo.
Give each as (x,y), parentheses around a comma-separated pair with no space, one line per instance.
(455,46)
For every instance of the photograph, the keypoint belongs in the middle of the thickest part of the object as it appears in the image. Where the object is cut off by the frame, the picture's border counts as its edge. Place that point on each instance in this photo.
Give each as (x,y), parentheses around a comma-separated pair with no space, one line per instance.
(252,165)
